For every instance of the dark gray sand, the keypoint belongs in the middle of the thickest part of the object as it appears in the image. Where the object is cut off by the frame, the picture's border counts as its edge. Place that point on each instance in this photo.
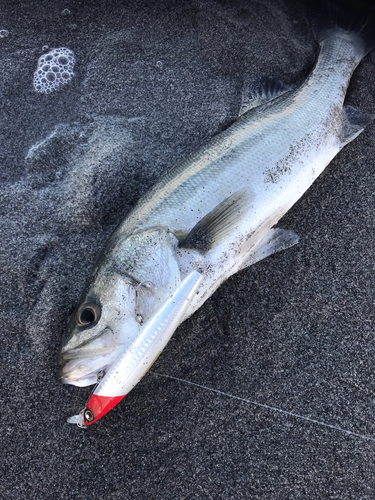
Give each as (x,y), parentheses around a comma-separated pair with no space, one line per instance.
(289,343)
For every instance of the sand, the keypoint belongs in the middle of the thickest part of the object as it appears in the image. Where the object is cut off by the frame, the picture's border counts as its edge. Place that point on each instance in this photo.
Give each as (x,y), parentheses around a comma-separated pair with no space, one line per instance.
(282,355)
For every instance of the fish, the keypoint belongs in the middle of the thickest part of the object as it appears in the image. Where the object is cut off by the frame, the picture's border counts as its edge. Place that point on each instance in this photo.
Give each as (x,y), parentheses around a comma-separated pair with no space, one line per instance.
(216,212)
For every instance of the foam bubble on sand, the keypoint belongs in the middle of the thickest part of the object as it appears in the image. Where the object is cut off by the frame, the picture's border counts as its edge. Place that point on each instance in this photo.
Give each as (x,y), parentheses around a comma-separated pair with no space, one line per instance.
(54,70)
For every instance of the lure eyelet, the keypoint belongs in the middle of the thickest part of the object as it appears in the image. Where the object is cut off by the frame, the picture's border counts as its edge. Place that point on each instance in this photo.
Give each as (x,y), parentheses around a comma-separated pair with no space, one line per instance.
(88,415)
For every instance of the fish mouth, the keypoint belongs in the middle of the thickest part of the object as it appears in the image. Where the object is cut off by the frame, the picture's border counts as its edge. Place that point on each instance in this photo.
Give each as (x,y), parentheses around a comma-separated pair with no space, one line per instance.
(84,372)
(81,364)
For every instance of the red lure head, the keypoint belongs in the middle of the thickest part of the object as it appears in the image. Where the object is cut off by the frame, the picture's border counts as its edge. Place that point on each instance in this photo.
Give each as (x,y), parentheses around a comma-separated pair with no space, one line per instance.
(98,406)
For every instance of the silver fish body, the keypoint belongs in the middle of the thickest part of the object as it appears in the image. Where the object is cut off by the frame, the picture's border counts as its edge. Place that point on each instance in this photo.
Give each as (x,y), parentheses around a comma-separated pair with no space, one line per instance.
(274,152)
(214,212)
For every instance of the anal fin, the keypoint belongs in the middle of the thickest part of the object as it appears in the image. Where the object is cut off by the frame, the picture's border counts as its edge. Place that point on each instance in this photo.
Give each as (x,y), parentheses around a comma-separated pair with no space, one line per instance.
(272,242)
(219,223)
(354,123)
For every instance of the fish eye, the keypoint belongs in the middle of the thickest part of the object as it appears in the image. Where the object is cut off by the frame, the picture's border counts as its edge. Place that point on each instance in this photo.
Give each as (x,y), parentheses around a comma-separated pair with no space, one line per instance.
(87,315)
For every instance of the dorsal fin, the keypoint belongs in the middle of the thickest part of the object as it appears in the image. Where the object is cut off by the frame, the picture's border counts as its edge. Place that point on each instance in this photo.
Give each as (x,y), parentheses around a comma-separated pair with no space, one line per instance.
(264,90)
(218,223)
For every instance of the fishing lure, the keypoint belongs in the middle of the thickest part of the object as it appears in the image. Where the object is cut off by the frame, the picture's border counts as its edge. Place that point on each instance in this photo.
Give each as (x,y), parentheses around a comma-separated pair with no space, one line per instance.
(130,367)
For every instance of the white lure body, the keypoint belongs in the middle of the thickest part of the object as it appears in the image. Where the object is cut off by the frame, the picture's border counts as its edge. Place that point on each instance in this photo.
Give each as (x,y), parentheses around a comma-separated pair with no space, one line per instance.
(132,365)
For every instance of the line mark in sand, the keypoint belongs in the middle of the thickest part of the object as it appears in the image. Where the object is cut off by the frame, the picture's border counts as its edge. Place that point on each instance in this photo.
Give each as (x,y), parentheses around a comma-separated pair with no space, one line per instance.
(261,405)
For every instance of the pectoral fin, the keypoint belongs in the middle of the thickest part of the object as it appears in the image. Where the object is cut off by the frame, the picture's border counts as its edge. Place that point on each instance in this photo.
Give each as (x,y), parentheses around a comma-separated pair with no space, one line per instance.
(219,223)
(272,242)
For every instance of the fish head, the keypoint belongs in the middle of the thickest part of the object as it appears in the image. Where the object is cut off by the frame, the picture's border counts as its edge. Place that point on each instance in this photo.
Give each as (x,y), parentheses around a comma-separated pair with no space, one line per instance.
(126,289)
(106,320)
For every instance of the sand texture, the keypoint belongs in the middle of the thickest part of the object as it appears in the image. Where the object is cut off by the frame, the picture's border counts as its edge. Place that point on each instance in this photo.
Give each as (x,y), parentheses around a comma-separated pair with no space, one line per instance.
(289,343)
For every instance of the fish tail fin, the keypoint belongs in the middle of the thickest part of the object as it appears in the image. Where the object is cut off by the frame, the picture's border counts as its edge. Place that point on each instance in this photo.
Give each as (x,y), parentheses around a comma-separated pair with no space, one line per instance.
(353,17)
